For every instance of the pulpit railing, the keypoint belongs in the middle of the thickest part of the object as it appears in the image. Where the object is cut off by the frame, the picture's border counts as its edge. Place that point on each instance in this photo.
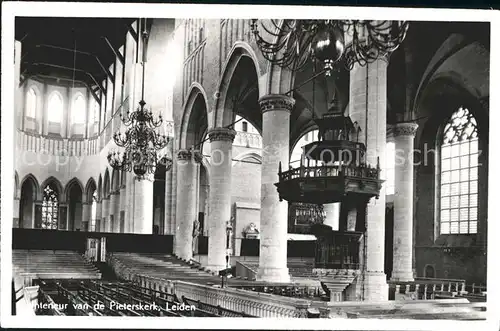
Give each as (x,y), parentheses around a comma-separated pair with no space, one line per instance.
(358,171)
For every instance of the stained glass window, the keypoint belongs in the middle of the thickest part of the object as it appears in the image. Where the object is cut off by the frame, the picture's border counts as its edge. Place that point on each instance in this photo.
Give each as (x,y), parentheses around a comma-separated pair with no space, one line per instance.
(459,174)
(50,208)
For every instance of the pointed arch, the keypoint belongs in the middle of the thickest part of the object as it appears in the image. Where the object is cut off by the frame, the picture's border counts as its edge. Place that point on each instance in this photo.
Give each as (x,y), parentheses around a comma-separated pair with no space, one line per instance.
(459,47)
(29,193)
(67,189)
(90,188)
(34,181)
(196,98)
(223,114)
(56,183)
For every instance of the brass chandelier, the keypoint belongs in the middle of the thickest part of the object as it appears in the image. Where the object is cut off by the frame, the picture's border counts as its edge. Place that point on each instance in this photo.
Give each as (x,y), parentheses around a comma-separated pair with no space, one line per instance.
(141,141)
(291,43)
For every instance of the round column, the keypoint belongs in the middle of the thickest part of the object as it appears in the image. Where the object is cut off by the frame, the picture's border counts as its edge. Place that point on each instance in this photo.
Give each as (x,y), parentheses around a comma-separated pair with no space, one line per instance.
(221,143)
(276,111)
(368,106)
(187,165)
(105,215)
(143,205)
(404,134)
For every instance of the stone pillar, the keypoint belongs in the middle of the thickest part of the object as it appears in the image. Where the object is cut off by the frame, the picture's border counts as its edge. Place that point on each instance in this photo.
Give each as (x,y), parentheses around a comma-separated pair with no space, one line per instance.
(143,205)
(221,144)
(332,211)
(404,134)
(98,216)
(187,166)
(276,111)
(105,215)
(113,202)
(368,107)
(168,195)
(86,214)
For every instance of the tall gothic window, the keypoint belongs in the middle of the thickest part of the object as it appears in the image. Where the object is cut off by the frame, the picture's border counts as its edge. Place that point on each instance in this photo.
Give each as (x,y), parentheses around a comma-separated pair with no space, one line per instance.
(31,103)
(459,174)
(55,110)
(78,110)
(50,208)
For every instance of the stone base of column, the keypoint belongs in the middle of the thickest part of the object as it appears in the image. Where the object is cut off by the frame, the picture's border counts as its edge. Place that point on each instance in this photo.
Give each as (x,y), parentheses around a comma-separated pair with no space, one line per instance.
(376,287)
(275,275)
(399,276)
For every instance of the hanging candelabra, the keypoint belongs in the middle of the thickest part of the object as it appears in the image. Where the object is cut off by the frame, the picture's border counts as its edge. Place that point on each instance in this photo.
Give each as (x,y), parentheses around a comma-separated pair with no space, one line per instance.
(141,142)
(291,43)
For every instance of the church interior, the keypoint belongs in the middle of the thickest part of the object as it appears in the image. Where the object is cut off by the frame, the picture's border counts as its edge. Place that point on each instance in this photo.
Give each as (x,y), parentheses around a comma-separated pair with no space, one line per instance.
(250,168)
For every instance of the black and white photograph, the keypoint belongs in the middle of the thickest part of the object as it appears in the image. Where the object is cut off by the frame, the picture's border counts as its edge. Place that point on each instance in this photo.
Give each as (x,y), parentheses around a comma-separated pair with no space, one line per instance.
(173,161)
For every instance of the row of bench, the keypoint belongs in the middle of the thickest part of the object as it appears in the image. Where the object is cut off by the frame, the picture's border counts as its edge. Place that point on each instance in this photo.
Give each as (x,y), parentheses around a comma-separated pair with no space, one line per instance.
(99,298)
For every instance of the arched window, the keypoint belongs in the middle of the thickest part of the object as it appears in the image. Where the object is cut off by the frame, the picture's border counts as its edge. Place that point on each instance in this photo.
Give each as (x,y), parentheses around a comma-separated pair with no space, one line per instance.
(78,110)
(50,208)
(459,175)
(55,110)
(94,212)
(31,103)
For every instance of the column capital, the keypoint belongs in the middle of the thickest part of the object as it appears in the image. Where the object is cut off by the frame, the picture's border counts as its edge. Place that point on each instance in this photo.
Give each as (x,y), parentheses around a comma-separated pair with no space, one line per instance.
(221,134)
(404,129)
(276,102)
(189,154)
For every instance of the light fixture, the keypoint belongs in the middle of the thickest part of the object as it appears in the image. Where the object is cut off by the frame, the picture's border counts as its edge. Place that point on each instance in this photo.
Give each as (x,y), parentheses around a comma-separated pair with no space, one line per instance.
(291,43)
(141,141)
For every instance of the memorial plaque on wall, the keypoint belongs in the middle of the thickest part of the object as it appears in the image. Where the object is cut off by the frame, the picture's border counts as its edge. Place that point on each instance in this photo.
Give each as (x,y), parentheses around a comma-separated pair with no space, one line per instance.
(63,214)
